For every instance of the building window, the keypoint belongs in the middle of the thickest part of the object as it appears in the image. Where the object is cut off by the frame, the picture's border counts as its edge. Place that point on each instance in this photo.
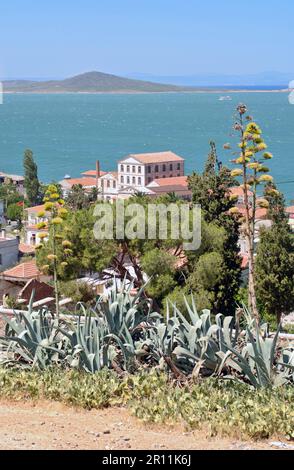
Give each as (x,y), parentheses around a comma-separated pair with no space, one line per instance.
(163,167)
(140,181)
(114,184)
(139,169)
(171,167)
(128,180)
(164,176)
(128,169)
(149,180)
(179,166)
(134,169)
(108,183)
(122,168)
(156,169)
(149,169)
(122,179)
(134,180)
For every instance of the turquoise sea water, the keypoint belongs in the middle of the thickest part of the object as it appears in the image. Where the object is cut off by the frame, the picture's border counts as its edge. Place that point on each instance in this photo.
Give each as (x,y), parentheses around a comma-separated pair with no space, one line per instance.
(68,133)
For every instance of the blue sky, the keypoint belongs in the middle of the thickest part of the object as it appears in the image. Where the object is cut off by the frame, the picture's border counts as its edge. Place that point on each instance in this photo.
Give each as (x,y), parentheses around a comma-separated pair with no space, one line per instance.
(164,37)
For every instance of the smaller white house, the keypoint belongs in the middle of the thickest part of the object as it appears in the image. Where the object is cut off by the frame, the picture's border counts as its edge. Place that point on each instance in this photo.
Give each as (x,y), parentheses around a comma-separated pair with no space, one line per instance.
(108,186)
(8,251)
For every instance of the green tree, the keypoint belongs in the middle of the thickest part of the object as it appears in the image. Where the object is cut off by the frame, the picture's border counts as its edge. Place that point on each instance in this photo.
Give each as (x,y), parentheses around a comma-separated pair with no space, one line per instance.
(15,212)
(78,199)
(275,259)
(32,185)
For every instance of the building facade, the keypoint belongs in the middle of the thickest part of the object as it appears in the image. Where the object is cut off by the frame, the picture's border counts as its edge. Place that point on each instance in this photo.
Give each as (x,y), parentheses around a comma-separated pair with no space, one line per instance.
(139,170)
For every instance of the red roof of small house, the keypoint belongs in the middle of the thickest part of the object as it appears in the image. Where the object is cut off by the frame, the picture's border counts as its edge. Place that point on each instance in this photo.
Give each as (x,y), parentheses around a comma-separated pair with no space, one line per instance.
(24,271)
(36,209)
(159,157)
(238,191)
(174,181)
(26,249)
(260,213)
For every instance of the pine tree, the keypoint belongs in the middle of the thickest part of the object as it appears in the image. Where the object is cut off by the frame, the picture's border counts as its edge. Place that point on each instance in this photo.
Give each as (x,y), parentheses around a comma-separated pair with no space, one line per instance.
(32,185)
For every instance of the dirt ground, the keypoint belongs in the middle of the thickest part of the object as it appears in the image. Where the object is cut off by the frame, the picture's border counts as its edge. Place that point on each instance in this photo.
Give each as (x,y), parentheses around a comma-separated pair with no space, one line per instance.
(53,426)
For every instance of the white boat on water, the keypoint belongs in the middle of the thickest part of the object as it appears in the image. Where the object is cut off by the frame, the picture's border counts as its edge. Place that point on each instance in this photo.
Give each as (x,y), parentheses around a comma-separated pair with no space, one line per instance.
(225,98)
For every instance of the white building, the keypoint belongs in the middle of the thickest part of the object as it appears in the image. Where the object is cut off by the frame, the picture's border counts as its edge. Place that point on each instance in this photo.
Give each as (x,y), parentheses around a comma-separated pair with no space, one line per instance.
(108,186)
(138,170)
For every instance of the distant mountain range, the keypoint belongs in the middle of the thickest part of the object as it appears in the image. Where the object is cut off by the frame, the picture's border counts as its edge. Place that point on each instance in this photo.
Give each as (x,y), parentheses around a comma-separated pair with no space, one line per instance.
(91,82)
(97,82)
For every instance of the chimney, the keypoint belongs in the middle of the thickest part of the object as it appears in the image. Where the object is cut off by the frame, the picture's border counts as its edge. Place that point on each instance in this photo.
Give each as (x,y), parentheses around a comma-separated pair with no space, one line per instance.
(98,172)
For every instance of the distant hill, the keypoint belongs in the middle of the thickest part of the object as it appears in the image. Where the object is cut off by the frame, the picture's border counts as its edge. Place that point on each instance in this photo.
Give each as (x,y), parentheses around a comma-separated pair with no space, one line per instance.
(91,82)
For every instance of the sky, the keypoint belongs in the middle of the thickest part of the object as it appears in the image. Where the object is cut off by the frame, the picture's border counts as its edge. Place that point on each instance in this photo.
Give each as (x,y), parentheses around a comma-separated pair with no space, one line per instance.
(57,39)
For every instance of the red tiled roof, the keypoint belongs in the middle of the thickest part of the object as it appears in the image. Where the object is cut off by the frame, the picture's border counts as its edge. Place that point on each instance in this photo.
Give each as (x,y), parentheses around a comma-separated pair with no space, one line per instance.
(36,209)
(159,157)
(290,210)
(238,191)
(93,173)
(175,181)
(26,249)
(85,182)
(259,214)
(23,271)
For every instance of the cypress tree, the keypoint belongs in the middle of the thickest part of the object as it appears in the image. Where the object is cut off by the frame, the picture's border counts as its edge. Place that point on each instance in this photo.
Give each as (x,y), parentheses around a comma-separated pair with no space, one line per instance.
(32,185)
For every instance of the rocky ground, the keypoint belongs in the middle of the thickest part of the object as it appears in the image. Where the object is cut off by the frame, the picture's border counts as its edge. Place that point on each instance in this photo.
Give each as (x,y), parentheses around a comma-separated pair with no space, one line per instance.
(52,426)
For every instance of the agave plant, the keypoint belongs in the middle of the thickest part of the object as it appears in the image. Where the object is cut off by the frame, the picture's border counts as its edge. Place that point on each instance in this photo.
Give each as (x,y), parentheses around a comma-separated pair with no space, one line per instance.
(33,339)
(87,346)
(258,360)
(202,344)
(123,310)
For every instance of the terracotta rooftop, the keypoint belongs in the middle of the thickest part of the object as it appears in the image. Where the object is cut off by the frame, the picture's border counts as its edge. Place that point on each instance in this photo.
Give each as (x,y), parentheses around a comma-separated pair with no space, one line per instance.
(238,191)
(36,209)
(159,157)
(26,249)
(24,271)
(85,182)
(175,181)
(93,173)
(290,210)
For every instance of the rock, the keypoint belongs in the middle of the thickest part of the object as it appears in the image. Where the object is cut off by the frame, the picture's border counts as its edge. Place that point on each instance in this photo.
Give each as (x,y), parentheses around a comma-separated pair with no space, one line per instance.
(107,431)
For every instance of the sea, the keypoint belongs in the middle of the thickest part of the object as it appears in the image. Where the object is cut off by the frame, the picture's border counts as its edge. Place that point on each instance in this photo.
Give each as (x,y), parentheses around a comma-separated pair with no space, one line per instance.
(69,132)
